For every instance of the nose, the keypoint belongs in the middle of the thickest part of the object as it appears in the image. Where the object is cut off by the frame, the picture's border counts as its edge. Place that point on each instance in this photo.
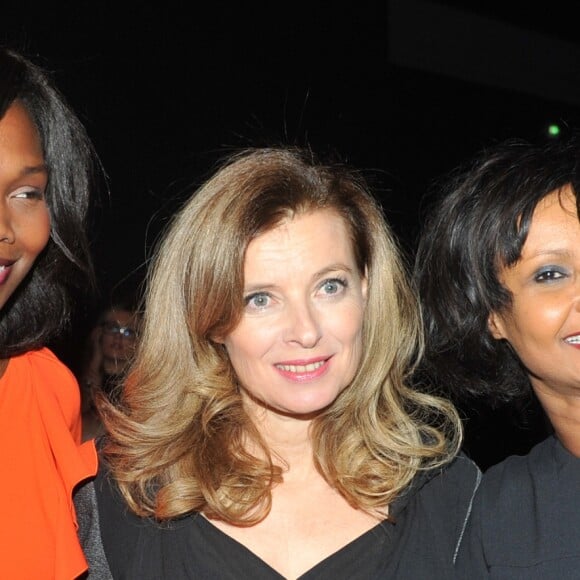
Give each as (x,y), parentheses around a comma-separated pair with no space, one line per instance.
(303,326)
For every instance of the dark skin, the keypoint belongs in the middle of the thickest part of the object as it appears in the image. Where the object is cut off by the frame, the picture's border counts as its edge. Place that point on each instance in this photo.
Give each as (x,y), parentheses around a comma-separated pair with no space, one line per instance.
(24,215)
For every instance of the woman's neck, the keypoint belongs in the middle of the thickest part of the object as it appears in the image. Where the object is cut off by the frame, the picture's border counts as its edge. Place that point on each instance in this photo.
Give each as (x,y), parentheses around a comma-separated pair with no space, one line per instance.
(564,414)
(288,438)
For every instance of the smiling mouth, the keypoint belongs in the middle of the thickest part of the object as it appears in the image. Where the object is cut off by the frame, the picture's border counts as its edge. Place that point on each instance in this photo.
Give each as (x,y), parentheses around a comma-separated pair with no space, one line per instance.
(301,368)
(573,339)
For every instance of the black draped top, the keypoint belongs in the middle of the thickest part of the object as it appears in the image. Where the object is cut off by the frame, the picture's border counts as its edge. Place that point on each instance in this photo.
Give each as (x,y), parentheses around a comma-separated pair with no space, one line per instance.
(421,542)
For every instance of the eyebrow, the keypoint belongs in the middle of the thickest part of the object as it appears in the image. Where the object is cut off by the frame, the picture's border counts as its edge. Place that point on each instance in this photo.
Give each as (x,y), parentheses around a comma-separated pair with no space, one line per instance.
(34,169)
(562,252)
(320,274)
(42,168)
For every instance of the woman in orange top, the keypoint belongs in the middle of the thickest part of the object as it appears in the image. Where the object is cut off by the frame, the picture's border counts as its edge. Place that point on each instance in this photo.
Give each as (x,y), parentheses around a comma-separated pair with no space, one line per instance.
(46,166)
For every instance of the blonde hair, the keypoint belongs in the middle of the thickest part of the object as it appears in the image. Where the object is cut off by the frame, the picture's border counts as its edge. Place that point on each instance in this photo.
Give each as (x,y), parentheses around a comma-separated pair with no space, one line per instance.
(178,440)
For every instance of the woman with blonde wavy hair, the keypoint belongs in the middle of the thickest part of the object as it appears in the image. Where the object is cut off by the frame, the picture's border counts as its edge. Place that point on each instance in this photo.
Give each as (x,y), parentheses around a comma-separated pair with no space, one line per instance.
(266,428)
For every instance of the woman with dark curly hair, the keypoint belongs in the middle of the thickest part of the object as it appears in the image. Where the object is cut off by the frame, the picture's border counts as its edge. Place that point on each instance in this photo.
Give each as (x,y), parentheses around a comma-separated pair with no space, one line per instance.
(46,167)
(266,428)
(498,270)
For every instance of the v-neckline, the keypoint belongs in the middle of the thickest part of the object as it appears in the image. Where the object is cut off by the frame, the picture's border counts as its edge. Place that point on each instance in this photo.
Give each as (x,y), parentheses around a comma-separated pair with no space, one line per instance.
(208,526)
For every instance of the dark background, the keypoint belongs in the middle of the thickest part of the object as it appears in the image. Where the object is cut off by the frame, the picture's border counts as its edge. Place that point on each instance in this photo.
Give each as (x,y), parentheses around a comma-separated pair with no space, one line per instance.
(403,89)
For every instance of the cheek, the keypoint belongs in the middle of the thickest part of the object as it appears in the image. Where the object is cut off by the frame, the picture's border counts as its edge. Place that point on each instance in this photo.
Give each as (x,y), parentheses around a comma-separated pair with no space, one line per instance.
(35,233)
(255,334)
(126,347)
(106,342)
(347,325)
(247,343)
(252,348)
(540,319)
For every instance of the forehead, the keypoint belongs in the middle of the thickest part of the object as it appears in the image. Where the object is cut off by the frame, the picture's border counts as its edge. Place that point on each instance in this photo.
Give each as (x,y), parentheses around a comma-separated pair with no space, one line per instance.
(304,239)
(119,316)
(19,139)
(558,209)
(563,198)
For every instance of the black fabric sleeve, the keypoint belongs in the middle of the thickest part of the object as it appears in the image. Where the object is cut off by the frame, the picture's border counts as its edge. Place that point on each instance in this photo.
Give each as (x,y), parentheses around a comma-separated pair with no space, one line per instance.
(120,529)
(90,533)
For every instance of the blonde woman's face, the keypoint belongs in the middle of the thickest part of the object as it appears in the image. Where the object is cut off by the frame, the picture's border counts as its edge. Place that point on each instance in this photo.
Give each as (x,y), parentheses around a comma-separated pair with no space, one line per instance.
(299,342)
(543,323)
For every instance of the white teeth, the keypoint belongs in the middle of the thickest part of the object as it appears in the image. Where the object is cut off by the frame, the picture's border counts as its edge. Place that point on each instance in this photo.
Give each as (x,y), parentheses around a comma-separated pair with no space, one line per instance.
(301,368)
(573,339)
(2,268)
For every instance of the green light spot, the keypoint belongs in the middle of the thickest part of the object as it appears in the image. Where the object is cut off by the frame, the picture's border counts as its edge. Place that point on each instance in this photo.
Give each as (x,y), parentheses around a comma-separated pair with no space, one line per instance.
(553,130)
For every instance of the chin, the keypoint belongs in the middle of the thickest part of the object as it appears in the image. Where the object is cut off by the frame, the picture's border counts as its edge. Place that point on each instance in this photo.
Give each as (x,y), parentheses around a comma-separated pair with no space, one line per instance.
(307,408)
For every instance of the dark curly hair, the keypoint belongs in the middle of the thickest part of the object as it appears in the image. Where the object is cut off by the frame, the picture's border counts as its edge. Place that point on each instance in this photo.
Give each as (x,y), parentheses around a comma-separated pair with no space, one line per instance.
(476,225)
(40,308)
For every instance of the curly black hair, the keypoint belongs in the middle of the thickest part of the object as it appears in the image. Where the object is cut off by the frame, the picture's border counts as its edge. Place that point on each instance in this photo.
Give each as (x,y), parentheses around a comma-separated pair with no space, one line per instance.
(477,224)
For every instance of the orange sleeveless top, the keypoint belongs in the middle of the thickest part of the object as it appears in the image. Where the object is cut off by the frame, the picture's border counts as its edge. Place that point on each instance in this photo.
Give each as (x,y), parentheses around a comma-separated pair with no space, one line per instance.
(41,462)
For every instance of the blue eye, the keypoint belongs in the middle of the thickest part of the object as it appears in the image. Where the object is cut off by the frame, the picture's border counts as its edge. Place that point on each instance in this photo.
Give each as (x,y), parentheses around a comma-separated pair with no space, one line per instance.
(258,301)
(550,274)
(333,286)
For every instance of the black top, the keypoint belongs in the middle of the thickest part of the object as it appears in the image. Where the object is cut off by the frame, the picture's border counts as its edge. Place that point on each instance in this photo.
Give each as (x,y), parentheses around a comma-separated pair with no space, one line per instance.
(422,543)
(526,518)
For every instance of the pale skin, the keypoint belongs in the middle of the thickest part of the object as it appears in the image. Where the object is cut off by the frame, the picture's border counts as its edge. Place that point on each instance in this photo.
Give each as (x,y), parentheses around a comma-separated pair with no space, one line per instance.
(296,348)
(543,323)
(24,215)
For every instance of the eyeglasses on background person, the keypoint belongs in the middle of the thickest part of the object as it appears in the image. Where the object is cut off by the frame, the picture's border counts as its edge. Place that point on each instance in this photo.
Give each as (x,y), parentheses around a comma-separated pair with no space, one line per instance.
(125,331)
(104,359)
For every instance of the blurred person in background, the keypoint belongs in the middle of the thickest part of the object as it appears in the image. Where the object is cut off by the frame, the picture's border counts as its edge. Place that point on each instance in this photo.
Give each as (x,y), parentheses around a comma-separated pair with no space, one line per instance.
(108,352)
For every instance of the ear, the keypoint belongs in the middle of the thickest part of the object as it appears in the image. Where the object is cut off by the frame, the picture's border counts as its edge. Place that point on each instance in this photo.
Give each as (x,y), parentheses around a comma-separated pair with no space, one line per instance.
(496,326)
